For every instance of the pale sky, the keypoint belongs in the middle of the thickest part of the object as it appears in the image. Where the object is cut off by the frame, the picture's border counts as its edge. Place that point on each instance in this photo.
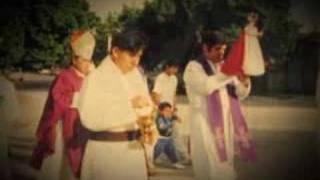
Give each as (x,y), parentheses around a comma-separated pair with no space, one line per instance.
(102,7)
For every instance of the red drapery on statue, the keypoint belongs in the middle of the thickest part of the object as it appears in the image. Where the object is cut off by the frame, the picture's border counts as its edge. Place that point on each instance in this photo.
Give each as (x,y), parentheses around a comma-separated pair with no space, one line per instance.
(234,60)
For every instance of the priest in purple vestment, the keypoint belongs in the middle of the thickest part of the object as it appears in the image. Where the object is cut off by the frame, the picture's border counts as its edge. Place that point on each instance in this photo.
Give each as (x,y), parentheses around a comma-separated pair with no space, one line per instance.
(218,126)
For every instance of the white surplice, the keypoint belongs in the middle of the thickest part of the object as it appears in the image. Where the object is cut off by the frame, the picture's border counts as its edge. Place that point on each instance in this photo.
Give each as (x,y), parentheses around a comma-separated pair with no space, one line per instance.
(203,151)
(105,105)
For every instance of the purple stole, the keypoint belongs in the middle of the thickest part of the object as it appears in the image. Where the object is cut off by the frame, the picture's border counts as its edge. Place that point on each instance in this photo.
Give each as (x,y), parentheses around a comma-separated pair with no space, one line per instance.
(243,141)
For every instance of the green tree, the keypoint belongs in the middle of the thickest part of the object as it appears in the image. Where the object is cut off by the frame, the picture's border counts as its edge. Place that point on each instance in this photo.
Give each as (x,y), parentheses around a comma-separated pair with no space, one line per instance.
(38,30)
(174,23)
(104,31)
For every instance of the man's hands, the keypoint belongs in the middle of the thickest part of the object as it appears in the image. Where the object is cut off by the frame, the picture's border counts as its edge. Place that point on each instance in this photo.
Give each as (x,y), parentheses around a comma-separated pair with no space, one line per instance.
(244,79)
(156,98)
(139,102)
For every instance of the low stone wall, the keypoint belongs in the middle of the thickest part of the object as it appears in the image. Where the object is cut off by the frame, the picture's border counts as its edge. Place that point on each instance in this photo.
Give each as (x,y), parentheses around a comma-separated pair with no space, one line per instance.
(270,113)
(31,103)
(277,118)
(261,113)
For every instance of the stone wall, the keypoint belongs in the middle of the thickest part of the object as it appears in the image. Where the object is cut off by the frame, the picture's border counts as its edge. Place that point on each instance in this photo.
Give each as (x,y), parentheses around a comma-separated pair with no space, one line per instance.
(262,113)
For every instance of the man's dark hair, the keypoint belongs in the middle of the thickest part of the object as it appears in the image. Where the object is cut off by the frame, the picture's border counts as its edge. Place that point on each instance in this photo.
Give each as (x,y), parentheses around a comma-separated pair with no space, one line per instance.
(131,41)
(212,38)
(171,64)
(253,9)
(164,105)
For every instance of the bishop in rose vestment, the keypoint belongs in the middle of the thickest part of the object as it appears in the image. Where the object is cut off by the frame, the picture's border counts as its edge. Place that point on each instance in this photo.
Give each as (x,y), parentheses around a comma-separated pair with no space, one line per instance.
(61,140)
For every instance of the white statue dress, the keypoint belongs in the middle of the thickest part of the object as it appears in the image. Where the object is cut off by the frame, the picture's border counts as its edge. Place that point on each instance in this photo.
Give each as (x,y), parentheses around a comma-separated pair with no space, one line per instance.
(253,63)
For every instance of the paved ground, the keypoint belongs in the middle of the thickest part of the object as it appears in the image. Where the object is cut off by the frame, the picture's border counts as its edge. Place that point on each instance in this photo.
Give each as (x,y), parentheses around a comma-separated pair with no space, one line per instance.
(284,153)
(282,156)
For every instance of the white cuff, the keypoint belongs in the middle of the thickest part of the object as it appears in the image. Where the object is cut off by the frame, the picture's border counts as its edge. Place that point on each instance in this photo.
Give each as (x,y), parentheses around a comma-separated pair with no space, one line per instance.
(217,81)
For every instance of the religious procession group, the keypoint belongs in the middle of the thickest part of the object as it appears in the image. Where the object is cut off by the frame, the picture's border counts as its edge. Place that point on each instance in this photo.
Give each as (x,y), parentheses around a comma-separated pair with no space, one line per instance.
(103,123)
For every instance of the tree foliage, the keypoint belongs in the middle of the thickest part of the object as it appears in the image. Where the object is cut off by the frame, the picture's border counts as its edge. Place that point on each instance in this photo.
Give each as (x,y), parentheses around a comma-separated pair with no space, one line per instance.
(174,26)
(37,30)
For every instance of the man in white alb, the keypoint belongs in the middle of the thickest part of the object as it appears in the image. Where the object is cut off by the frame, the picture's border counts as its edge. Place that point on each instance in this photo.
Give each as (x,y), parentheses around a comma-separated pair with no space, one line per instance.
(111,101)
